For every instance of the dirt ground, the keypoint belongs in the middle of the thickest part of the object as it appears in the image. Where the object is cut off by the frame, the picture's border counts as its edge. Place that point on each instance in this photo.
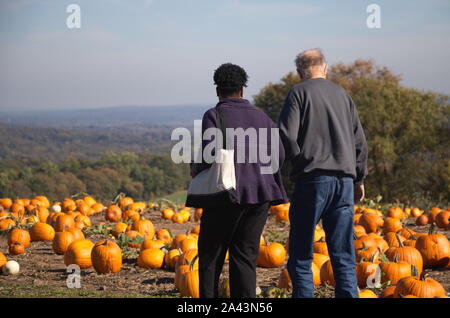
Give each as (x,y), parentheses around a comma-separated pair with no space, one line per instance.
(43,273)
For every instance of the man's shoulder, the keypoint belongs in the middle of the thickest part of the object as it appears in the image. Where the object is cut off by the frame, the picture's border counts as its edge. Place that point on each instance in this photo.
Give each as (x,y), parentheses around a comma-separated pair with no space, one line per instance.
(317,84)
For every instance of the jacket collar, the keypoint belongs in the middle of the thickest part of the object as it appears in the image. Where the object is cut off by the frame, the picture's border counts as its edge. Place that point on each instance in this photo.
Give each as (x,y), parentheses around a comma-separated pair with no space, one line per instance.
(234,102)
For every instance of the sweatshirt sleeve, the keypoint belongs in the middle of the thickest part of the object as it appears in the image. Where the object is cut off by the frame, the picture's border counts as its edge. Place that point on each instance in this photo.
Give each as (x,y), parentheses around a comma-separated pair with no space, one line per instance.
(289,123)
(360,145)
(208,121)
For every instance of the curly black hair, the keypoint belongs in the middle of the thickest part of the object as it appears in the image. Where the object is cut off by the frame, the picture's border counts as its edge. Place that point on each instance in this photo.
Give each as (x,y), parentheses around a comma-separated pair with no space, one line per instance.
(229,79)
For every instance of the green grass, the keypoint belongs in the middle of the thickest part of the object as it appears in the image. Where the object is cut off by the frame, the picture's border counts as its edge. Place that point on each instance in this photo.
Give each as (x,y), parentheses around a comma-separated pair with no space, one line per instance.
(177,197)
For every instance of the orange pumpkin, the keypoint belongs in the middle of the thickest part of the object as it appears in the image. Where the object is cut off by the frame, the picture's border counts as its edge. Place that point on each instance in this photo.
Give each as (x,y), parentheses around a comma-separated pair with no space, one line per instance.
(119,228)
(165,235)
(420,287)
(392,225)
(326,274)
(113,213)
(19,235)
(371,222)
(79,252)
(443,219)
(151,258)
(271,255)
(16,248)
(435,250)
(42,232)
(64,222)
(144,227)
(62,241)
(106,257)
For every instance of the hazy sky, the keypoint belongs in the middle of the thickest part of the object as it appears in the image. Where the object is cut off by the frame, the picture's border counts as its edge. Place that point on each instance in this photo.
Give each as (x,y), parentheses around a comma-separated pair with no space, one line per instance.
(163,52)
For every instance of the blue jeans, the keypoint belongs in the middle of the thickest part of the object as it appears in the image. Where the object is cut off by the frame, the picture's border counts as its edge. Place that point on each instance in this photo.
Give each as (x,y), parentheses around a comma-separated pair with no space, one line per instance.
(330,198)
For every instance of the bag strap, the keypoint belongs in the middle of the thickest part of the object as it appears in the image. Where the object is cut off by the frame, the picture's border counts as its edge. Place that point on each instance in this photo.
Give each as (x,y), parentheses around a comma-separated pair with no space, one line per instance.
(222,126)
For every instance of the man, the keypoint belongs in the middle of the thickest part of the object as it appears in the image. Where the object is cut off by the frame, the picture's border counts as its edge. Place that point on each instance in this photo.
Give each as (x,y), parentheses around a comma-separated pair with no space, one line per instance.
(323,136)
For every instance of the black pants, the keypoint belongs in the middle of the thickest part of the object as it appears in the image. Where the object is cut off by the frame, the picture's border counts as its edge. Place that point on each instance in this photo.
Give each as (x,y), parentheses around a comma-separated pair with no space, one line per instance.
(237,228)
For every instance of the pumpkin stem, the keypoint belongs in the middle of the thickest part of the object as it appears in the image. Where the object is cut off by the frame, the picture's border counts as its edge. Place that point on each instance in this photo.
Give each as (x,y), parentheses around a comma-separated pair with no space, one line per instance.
(191,265)
(355,237)
(375,255)
(400,243)
(414,271)
(384,259)
(431,230)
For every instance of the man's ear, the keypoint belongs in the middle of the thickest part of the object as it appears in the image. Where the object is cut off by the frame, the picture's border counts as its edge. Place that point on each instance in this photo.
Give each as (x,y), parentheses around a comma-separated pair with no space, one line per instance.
(217,92)
(325,70)
(241,92)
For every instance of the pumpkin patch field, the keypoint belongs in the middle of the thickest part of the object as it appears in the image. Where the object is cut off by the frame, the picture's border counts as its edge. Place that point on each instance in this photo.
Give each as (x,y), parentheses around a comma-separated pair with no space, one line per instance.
(79,247)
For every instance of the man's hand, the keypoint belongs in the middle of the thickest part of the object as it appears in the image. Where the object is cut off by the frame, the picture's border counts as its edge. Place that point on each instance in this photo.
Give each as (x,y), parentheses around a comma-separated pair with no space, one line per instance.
(359,193)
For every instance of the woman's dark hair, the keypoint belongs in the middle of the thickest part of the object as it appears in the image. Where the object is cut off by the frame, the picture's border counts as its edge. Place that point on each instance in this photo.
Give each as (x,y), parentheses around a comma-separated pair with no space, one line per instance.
(229,79)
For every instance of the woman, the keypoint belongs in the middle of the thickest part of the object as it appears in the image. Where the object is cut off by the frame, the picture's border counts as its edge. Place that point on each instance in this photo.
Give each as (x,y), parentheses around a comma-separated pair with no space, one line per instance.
(237,227)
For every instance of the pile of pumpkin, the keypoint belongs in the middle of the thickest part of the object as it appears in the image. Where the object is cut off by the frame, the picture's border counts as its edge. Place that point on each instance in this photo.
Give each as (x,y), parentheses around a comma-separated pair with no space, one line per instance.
(31,220)
(389,255)
(382,243)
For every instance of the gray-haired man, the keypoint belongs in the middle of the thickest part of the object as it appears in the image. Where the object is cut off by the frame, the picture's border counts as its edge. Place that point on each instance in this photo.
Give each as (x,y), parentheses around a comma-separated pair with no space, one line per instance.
(324,138)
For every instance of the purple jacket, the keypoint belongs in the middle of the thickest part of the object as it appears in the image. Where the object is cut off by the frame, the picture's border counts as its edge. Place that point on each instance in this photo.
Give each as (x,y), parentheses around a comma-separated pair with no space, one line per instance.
(252,187)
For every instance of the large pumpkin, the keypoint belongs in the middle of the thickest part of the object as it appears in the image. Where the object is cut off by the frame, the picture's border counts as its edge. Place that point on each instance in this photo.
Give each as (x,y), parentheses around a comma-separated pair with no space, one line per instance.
(187,244)
(394,271)
(151,258)
(62,241)
(145,227)
(64,222)
(42,232)
(79,252)
(422,288)
(19,235)
(271,255)
(106,257)
(443,219)
(392,225)
(371,222)
(113,213)
(435,250)
(407,254)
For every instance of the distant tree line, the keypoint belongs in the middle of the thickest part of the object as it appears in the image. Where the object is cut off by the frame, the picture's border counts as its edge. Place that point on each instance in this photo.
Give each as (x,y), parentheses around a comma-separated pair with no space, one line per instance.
(142,176)
(55,144)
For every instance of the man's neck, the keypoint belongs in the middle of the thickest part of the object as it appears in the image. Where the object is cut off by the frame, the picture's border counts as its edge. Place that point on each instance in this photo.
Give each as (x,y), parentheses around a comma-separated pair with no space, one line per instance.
(318,76)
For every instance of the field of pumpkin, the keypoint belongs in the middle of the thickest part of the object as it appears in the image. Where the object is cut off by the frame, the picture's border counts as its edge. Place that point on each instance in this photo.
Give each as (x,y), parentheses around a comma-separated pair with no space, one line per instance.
(149,249)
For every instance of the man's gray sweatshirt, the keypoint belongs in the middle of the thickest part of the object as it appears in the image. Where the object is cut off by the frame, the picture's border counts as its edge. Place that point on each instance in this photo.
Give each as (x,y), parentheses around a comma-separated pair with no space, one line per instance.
(321,131)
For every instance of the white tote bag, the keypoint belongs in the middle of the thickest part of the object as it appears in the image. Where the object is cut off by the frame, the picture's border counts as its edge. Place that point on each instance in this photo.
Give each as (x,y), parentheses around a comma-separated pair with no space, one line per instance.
(217,184)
